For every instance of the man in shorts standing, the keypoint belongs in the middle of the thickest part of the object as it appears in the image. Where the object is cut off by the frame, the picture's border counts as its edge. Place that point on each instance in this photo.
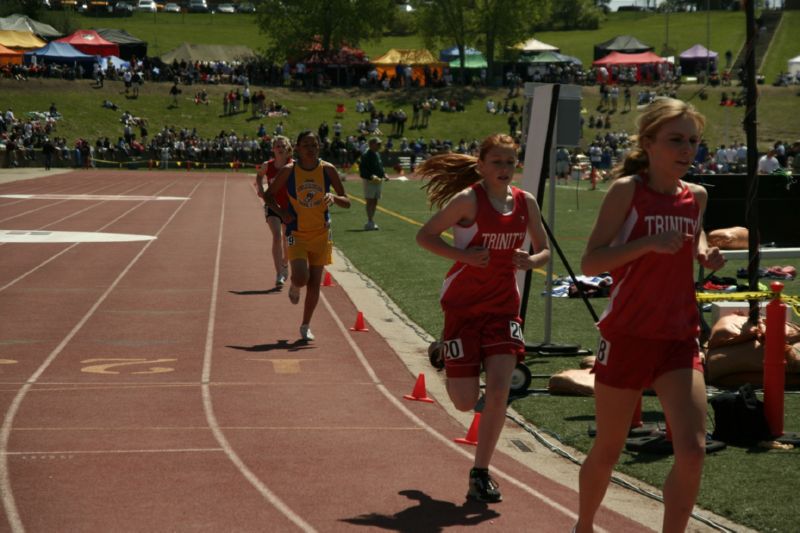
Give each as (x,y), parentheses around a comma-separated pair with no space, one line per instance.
(372,172)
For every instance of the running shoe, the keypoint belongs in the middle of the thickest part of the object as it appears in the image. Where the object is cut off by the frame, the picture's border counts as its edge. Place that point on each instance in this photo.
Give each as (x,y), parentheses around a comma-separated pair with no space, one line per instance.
(482,487)
(280,280)
(435,355)
(305,333)
(294,294)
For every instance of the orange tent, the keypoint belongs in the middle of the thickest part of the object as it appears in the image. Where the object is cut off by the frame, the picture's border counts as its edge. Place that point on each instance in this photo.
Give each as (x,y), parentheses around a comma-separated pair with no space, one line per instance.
(9,56)
(416,60)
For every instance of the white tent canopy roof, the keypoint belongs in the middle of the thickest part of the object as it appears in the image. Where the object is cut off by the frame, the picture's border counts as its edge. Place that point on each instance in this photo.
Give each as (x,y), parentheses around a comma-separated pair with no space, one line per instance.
(533,45)
(794,65)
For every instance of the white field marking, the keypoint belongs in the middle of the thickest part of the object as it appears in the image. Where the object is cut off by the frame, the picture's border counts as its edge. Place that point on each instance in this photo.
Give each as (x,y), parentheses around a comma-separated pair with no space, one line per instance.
(205,383)
(112,452)
(48,206)
(10,506)
(68,248)
(94,197)
(41,237)
(71,215)
(438,436)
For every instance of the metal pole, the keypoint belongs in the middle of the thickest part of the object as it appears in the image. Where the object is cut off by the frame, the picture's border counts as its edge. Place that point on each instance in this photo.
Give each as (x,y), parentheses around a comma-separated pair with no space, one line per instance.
(708,40)
(551,220)
(751,204)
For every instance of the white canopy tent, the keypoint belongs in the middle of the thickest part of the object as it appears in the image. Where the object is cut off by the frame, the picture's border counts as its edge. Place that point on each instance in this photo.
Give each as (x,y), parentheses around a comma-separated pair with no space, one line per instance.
(794,66)
(533,46)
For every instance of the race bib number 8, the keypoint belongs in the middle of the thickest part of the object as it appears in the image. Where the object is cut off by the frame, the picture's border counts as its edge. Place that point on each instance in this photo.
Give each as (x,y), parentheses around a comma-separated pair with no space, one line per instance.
(453,349)
(603,351)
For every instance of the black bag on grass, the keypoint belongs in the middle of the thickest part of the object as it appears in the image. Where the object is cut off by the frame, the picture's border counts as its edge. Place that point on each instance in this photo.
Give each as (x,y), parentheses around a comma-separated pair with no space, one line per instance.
(739,417)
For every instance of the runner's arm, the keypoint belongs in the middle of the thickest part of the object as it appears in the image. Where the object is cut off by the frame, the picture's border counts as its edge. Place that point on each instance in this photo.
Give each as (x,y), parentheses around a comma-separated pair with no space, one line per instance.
(340,198)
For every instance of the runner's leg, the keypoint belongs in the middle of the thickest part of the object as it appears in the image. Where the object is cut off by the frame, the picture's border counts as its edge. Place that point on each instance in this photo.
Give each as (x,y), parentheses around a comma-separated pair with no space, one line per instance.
(682,395)
(613,413)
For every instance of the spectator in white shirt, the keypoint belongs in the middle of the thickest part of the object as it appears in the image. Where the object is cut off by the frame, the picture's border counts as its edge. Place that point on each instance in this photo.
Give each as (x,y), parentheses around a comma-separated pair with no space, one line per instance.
(768,163)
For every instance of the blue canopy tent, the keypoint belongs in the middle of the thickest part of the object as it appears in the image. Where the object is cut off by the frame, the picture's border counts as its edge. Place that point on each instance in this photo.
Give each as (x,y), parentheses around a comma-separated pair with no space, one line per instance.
(451,54)
(62,54)
(115,61)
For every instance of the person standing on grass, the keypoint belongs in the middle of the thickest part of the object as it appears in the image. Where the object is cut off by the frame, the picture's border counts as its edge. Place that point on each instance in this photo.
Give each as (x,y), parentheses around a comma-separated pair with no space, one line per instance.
(308,182)
(282,150)
(647,234)
(490,219)
(372,173)
(174,92)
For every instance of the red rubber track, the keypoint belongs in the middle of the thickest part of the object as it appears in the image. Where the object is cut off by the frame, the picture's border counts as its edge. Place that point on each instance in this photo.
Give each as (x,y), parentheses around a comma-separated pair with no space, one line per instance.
(161,386)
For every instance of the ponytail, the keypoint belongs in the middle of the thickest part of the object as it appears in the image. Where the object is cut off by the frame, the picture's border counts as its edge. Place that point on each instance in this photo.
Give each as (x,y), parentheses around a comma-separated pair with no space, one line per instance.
(447,175)
(634,162)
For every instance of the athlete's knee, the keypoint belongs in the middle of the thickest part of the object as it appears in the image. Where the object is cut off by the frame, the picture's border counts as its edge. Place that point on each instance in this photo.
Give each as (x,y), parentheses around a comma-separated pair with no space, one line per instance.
(299,279)
(463,400)
(689,456)
(496,396)
(605,455)
(464,404)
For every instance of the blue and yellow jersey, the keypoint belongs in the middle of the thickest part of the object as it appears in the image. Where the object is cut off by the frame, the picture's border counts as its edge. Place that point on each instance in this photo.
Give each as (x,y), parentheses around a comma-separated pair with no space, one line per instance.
(307,189)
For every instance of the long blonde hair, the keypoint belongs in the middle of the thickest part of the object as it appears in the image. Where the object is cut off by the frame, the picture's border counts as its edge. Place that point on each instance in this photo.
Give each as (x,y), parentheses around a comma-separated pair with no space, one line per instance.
(449,174)
(288,150)
(648,123)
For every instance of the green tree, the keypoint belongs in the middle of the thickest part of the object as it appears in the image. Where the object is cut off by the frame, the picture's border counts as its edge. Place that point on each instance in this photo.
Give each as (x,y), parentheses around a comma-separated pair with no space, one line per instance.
(575,15)
(503,23)
(291,26)
(31,8)
(448,22)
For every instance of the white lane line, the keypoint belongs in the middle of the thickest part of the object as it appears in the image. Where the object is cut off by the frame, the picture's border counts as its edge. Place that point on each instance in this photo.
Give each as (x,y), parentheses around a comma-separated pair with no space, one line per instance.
(17,236)
(115,452)
(9,504)
(70,247)
(270,496)
(50,205)
(95,197)
(438,436)
(66,217)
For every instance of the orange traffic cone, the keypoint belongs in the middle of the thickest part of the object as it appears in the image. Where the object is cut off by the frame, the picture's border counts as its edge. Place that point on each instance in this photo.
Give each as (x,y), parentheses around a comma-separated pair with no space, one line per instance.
(359,326)
(419,393)
(327,281)
(472,433)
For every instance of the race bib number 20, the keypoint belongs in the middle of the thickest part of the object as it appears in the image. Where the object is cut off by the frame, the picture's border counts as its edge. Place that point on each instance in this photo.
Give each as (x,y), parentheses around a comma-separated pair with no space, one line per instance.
(452,349)
(516,331)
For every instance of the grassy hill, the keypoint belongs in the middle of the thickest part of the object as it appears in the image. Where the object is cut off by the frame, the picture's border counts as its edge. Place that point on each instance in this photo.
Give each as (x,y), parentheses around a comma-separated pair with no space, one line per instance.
(81,104)
(718,30)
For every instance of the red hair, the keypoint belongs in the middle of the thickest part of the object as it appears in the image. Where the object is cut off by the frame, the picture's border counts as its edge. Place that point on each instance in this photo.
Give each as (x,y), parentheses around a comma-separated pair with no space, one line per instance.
(449,174)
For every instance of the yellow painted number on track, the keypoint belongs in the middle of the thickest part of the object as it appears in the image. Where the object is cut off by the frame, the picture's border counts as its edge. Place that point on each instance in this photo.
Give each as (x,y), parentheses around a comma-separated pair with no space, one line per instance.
(105,365)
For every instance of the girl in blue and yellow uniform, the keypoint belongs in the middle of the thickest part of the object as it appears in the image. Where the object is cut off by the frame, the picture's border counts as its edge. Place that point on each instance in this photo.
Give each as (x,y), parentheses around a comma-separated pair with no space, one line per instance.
(308,182)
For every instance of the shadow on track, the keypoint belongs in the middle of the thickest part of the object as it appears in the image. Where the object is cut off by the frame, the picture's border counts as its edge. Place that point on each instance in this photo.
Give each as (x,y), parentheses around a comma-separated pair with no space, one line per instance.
(281,344)
(428,516)
(257,292)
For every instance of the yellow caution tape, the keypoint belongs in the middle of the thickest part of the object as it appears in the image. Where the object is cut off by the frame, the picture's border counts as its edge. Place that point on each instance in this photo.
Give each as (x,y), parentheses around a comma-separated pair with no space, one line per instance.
(791,301)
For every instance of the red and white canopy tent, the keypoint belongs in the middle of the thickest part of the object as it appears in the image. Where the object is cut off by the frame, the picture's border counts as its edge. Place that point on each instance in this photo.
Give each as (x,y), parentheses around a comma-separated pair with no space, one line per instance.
(630,60)
(92,43)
